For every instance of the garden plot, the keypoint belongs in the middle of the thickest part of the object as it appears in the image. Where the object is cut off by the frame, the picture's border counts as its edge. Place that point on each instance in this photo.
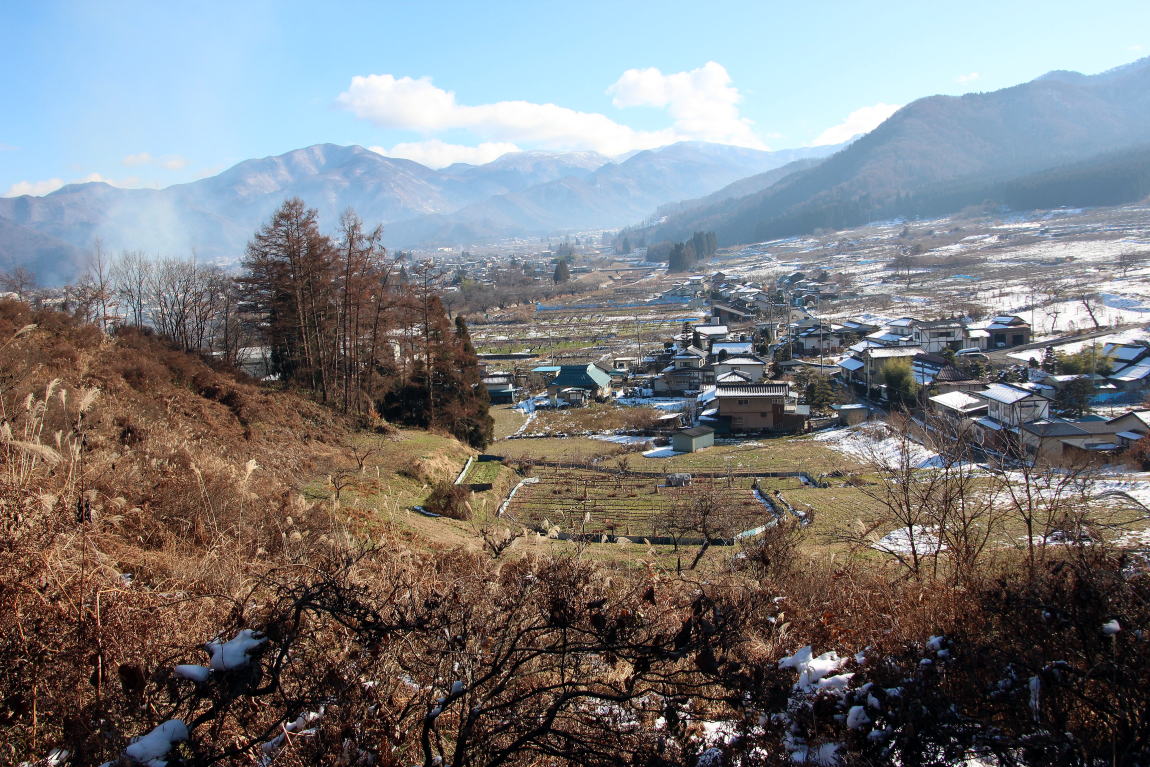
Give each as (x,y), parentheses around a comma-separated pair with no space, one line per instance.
(580,501)
(784,454)
(596,419)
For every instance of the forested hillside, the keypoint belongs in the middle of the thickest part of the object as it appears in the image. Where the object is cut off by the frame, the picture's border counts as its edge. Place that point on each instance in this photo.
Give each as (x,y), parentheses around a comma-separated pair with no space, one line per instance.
(362,330)
(985,143)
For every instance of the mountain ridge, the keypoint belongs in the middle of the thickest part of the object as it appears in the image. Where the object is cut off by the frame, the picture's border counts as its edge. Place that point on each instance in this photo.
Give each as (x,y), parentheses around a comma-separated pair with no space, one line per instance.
(518,193)
(1052,120)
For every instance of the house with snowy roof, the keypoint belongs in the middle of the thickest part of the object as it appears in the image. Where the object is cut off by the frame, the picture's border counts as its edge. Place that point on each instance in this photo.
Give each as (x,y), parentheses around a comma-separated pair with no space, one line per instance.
(1004,331)
(732,347)
(864,368)
(898,332)
(747,364)
(938,374)
(1130,363)
(1009,406)
(957,406)
(732,377)
(936,335)
(500,387)
(687,370)
(704,335)
(1086,440)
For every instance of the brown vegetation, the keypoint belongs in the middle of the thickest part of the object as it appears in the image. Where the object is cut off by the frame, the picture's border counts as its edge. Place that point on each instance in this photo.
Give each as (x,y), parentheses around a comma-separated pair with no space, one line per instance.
(147,507)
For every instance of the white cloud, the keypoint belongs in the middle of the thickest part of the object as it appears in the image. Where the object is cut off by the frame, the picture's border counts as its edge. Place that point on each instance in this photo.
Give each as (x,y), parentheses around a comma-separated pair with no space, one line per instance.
(168,161)
(702,104)
(416,104)
(438,154)
(34,188)
(862,120)
(47,186)
(1136,48)
(967,78)
(7,148)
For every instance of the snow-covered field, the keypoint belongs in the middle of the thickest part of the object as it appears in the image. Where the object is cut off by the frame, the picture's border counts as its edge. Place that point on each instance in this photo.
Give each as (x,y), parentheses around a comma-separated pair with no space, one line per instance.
(1033,264)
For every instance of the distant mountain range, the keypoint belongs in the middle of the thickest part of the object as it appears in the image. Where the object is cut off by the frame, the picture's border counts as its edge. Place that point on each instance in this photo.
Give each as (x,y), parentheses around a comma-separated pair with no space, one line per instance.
(1061,139)
(519,194)
(939,154)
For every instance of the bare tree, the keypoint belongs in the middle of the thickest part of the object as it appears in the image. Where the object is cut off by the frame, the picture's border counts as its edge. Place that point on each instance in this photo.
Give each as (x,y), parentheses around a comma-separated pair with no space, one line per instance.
(131,275)
(95,295)
(906,498)
(1042,499)
(19,281)
(702,511)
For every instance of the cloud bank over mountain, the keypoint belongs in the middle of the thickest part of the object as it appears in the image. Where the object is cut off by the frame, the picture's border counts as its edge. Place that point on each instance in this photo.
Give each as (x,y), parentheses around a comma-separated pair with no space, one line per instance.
(702,104)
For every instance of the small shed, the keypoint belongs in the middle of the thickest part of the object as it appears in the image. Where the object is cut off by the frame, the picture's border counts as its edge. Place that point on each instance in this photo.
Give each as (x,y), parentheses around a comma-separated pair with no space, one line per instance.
(849,415)
(690,440)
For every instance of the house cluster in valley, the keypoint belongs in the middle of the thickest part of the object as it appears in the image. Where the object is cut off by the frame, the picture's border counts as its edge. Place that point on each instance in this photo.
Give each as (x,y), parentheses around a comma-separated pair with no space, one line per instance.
(765,362)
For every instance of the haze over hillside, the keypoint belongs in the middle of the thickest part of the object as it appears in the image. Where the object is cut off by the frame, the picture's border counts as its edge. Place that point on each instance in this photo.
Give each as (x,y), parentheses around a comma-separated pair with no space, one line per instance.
(926,148)
(529,193)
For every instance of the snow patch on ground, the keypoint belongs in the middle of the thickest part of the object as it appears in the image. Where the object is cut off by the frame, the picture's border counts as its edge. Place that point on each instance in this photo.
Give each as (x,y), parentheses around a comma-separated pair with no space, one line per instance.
(876,442)
(622,439)
(662,452)
(925,541)
(666,404)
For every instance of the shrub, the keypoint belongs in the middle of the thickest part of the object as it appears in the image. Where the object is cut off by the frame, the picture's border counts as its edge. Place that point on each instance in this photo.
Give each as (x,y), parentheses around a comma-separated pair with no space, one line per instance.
(449,500)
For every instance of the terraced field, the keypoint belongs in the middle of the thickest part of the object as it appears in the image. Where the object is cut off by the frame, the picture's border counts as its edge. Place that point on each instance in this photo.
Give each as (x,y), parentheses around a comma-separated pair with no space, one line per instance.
(767,455)
(580,501)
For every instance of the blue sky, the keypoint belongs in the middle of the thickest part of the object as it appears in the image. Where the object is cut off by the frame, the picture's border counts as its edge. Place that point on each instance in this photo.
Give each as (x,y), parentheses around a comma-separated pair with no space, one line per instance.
(155,93)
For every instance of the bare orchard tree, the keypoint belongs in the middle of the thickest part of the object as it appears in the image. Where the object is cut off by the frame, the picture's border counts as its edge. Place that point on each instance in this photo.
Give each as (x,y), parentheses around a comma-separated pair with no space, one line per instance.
(1052,294)
(1046,502)
(1090,302)
(702,511)
(906,500)
(1131,259)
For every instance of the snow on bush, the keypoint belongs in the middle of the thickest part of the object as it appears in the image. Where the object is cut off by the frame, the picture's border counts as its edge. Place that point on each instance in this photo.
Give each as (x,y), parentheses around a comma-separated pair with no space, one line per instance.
(817,678)
(813,671)
(194,673)
(236,653)
(151,749)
